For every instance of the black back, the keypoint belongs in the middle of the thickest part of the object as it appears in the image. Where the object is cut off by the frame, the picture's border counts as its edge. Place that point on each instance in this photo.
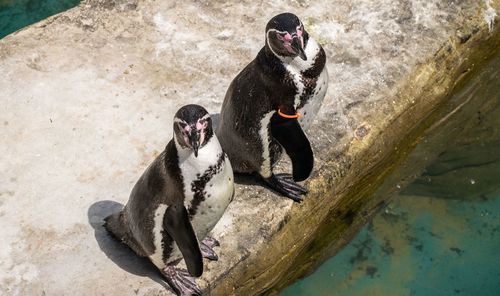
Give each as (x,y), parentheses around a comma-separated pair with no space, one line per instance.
(162,183)
(261,87)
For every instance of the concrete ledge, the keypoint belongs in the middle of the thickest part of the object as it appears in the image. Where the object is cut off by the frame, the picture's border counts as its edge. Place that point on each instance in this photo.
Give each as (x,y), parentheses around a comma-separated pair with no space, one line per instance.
(88,98)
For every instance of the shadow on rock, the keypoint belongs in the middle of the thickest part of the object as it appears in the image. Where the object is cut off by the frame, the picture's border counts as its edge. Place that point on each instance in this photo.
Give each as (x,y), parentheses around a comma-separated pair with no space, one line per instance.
(119,253)
(248,179)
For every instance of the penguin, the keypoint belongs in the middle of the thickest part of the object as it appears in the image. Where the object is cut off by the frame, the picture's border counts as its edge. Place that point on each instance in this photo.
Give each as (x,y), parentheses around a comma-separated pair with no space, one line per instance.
(271,102)
(177,201)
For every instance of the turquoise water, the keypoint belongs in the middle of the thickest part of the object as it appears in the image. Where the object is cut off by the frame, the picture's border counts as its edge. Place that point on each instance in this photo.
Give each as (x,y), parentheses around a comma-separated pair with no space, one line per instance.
(418,246)
(441,234)
(16,14)
(432,239)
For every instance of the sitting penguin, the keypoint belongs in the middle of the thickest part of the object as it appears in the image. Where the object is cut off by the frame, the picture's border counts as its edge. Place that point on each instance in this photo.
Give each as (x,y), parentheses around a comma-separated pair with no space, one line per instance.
(177,201)
(271,101)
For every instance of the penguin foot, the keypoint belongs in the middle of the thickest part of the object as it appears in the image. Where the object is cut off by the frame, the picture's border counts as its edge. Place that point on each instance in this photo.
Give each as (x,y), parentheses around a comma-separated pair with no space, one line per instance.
(284,184)
(181,281)
(211,242)
(206,247)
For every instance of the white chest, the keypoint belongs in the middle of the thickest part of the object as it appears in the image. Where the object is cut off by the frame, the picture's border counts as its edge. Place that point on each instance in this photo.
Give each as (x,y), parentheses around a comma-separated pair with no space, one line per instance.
(313,104)
(295,67)
(192,167)
(208,185)
(217,192)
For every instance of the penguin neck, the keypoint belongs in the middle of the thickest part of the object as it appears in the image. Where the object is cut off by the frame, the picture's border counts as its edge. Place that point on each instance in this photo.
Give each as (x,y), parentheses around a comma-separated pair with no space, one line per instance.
(207,155)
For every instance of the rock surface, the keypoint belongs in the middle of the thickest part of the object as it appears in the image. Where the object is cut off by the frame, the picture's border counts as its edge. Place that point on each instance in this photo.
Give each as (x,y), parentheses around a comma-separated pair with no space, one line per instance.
(88,98)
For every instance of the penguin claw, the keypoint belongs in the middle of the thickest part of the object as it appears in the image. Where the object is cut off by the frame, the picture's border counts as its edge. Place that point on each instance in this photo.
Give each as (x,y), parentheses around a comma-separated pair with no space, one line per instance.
(284,184)
(211,242)
(288,180)
(181,282)
(206,247)
(296,198)
(285,176)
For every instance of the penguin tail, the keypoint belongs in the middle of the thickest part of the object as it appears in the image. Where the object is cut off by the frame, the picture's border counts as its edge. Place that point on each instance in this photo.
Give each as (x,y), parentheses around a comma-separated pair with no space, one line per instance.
(116,227)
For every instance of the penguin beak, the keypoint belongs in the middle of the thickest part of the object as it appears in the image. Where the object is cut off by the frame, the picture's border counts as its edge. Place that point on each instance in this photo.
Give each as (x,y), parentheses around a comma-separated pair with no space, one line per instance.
(194,141)
(297,48)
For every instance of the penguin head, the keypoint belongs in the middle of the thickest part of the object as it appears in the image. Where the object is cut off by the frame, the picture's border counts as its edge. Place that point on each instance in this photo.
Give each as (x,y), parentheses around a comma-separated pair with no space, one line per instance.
(192,127)
(286,36)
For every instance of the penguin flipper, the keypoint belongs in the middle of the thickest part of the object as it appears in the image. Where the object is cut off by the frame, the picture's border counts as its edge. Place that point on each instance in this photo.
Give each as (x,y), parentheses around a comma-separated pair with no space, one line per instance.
(176,222)
(289,133)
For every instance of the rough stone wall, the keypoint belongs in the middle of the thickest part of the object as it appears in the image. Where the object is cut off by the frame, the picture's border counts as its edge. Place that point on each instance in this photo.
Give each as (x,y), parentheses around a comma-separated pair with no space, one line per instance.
(88,98)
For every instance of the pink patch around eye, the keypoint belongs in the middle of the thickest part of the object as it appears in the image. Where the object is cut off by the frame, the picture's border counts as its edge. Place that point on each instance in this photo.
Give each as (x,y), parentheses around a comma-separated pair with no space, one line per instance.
(201,126)
(286,37)
(299,32)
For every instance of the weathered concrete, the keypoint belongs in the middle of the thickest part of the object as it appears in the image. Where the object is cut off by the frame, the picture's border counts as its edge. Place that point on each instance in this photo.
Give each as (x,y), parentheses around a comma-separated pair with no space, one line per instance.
(88,98)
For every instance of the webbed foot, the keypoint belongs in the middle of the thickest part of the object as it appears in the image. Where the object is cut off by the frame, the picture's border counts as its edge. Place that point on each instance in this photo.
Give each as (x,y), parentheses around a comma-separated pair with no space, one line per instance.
(206,247)
(181,281)
(284,184)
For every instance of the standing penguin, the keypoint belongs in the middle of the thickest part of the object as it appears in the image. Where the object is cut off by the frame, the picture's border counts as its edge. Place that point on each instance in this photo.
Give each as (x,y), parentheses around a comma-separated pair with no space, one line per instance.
(271,101)
(177,201)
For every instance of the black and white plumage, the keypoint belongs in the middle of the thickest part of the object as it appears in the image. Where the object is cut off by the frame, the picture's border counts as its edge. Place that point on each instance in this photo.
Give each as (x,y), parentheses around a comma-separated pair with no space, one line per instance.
(178,200)
(288,75)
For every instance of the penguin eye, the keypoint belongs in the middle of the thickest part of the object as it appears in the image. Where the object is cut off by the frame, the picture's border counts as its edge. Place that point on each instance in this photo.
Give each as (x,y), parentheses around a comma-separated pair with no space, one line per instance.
(182,125)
